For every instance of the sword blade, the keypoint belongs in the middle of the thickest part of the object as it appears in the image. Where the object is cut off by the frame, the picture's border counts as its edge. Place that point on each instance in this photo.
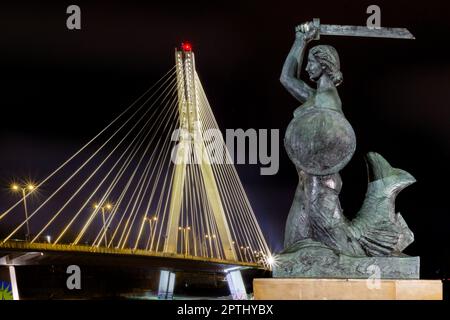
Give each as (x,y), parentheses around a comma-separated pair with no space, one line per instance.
(357,31)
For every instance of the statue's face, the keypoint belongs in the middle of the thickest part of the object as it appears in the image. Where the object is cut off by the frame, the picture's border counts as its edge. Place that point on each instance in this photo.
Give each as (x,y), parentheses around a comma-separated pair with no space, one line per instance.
(313,68)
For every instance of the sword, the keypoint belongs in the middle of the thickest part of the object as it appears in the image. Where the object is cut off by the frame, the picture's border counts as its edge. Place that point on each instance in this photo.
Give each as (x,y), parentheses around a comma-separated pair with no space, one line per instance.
(354,31)
(357,31)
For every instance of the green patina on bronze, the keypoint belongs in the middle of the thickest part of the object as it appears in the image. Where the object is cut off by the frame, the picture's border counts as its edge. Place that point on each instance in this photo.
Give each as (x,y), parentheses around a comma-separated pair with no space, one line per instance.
(319,240)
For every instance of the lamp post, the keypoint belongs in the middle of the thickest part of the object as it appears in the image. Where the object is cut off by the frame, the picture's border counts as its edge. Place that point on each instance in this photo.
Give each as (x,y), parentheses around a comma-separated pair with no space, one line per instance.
(204,246)
(103,209)
(24,189)
(211,238)
(245,249)
(152,224)
(186,230)
(186,238)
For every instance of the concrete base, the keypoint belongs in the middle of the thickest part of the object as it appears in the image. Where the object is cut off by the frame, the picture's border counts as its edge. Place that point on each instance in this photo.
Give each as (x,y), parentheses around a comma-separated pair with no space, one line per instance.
(346,289)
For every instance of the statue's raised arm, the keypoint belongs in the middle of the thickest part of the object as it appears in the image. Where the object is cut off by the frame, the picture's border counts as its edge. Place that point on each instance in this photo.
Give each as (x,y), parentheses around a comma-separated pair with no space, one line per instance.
(291,69)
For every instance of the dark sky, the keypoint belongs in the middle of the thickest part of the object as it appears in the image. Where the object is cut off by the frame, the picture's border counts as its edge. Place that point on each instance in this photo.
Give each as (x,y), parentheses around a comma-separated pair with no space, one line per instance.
(60,87)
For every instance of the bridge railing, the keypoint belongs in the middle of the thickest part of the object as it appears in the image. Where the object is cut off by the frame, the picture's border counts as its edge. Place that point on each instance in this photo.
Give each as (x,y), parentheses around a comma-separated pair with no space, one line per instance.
(39,246)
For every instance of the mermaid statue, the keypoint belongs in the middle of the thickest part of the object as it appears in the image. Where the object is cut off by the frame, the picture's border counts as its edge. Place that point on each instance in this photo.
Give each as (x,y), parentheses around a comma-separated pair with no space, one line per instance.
(320,241)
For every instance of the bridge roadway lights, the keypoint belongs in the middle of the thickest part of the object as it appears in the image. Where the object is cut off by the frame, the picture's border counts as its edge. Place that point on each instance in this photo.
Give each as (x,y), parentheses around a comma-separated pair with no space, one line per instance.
(236,284)
(166,285)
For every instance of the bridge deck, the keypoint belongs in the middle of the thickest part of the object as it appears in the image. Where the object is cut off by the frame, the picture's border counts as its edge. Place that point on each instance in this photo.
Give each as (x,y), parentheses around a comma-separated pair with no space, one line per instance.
(67,248)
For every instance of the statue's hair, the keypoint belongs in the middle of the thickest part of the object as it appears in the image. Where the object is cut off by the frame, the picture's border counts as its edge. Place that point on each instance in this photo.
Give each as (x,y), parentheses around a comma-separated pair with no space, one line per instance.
(328,57)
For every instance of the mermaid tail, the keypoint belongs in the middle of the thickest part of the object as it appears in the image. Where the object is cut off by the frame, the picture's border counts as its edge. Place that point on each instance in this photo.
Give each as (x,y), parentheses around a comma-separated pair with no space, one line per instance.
(379,229)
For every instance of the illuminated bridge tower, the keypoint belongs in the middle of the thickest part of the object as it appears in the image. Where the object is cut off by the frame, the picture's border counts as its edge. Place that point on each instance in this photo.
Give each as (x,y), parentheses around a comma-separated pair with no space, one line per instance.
(190,144)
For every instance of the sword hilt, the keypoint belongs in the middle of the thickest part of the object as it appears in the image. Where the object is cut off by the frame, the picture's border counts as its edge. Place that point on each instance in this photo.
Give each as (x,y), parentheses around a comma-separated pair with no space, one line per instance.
(316,23)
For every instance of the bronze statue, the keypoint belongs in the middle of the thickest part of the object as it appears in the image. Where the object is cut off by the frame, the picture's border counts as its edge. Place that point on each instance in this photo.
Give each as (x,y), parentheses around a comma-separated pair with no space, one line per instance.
(319,240)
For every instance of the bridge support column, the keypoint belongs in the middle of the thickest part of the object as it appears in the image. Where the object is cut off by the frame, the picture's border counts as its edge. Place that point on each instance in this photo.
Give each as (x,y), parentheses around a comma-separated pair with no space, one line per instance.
(236,285)
(13,280)
(8,269)
(166,285)
(8,277)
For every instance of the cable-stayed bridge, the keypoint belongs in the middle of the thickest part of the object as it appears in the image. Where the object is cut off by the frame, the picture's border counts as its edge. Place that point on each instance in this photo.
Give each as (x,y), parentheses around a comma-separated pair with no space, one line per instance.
(157,181)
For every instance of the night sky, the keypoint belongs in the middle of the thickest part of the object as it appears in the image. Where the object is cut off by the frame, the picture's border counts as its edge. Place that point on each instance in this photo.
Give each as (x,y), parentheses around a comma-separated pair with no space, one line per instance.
(60,87)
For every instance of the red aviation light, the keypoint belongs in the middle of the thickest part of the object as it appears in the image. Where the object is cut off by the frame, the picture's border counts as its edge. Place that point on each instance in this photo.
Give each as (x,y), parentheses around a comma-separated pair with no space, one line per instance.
(186,46)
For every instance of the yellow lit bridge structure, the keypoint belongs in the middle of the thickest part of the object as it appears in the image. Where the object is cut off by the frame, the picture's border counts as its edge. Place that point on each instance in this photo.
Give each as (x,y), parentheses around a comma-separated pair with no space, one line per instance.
(157,181)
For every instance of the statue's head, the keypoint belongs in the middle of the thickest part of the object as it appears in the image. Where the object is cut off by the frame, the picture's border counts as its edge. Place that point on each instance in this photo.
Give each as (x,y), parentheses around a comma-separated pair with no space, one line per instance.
(322,59)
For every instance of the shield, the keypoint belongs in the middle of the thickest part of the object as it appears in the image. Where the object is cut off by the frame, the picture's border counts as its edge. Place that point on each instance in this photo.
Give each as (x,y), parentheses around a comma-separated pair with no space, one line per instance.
(320,141)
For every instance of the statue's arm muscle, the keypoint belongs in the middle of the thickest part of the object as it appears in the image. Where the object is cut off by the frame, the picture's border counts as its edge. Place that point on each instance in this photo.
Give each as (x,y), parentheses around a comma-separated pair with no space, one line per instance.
(296,87)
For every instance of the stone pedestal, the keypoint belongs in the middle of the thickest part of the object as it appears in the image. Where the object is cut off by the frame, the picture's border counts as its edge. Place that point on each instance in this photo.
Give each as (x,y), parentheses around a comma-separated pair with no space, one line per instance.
(312,260)
(346,289)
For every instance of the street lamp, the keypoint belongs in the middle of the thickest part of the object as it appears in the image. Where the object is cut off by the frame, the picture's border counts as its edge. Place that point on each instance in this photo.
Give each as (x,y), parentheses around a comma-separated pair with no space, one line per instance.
(245,249)
(152,224)
(211,237)
(107,207)
(186,238)
(28,188)
(249,250)
(204,246)
(150,220)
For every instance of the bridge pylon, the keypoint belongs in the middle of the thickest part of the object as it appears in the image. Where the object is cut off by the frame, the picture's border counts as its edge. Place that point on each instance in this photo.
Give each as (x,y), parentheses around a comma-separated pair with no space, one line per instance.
(192,146)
